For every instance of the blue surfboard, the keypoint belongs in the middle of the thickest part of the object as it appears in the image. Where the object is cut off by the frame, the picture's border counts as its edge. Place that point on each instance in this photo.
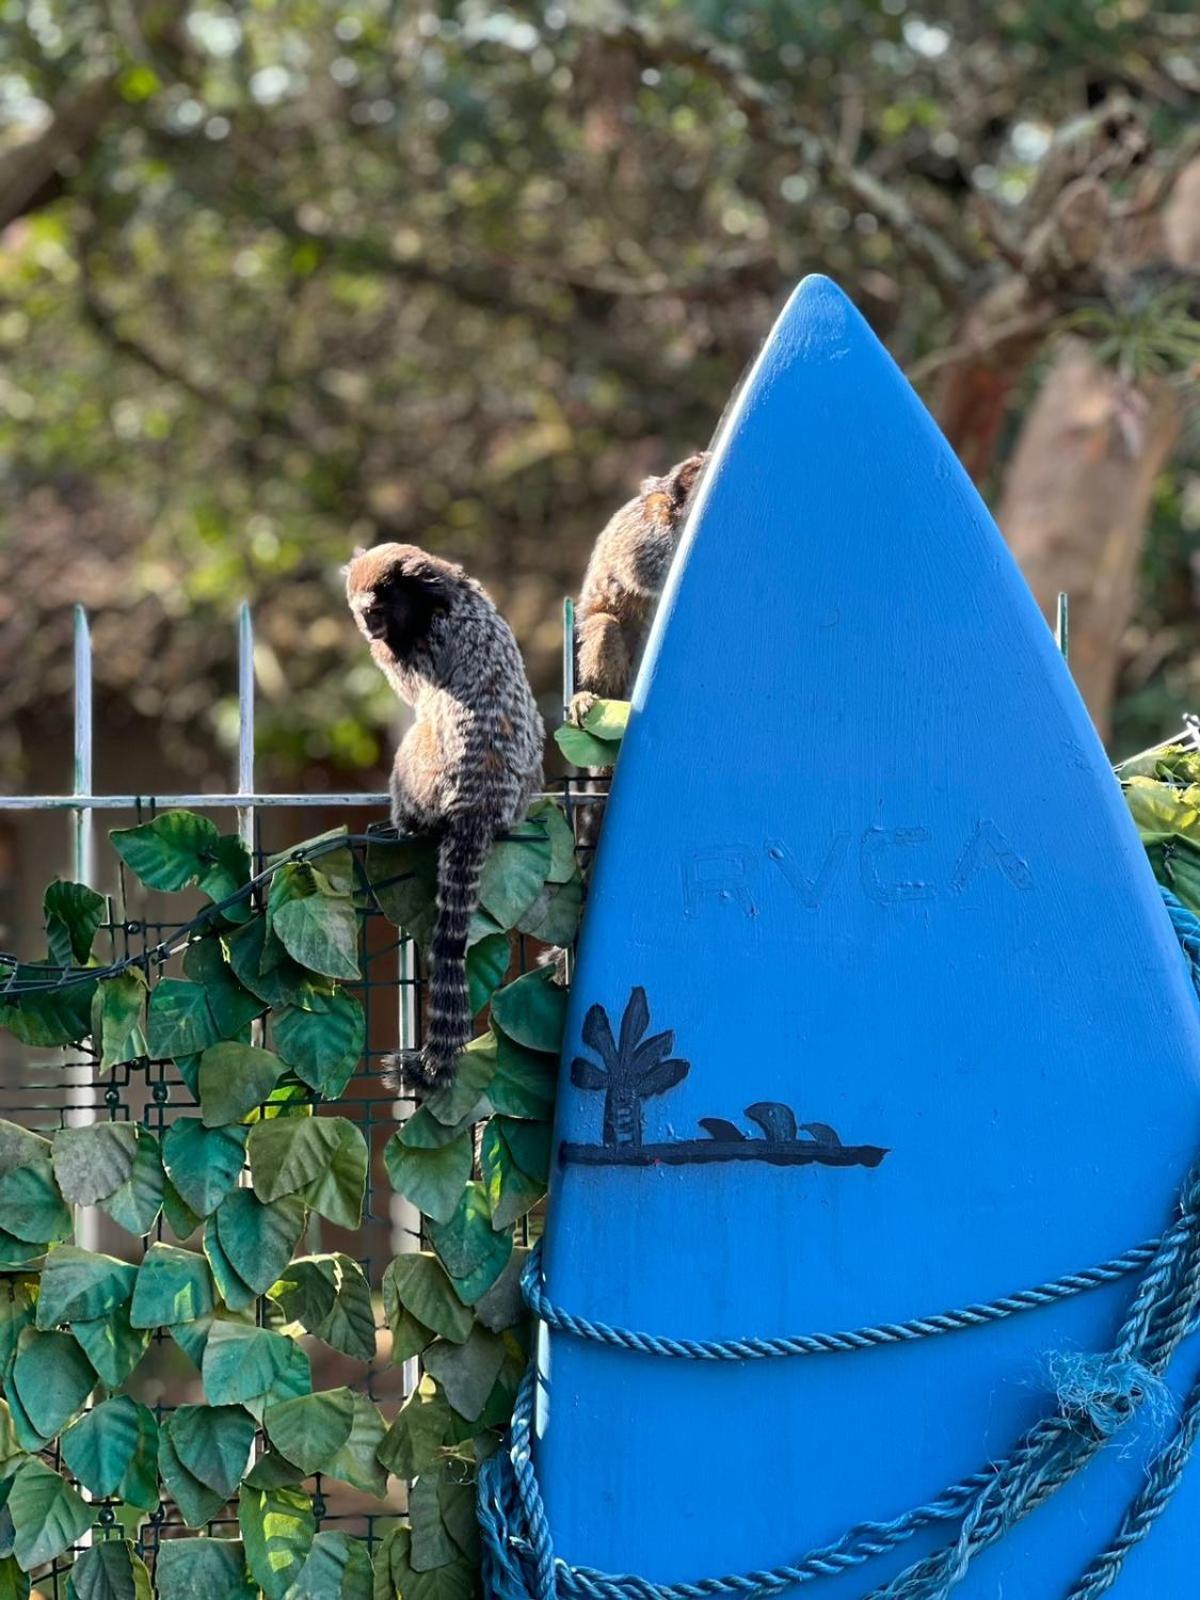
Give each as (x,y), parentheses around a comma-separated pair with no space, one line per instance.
(929,1037)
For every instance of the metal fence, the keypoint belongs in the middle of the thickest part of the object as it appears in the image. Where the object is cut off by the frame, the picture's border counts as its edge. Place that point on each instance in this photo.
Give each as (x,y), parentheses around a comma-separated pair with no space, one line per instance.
(47,1091)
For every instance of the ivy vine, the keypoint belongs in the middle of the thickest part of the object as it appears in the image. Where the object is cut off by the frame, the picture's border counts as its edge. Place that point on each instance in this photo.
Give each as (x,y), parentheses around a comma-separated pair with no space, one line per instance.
(250,1001)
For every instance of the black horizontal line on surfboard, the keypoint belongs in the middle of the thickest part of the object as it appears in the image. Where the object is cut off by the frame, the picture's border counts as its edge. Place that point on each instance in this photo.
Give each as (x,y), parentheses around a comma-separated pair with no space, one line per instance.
(700,1152)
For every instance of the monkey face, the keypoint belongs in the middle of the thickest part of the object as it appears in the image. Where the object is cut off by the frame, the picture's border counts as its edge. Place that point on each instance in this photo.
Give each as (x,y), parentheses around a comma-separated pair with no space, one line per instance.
(395,592)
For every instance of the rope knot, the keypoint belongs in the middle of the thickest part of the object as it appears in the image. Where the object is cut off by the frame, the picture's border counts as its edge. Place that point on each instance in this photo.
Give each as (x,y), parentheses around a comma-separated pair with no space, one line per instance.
(1097,1394)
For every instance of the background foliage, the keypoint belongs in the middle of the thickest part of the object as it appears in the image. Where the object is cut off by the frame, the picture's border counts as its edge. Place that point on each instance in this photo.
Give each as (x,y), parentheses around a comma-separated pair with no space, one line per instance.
(253,1002)
(280,278)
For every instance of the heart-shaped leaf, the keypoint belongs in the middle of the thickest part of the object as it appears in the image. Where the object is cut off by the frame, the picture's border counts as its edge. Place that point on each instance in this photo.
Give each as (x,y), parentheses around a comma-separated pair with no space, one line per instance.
(234,1080)
(172,1286)
(203,1163)
(48,1516)
(278,1528)
(82,1285)
(90,1163)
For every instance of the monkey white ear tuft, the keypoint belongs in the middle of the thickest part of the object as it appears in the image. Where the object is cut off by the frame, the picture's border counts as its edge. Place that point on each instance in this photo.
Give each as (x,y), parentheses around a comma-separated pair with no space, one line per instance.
(359,550)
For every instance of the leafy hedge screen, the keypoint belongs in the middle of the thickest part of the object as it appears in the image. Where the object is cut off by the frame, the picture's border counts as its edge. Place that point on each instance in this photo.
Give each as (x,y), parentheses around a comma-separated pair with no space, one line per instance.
(255,1003)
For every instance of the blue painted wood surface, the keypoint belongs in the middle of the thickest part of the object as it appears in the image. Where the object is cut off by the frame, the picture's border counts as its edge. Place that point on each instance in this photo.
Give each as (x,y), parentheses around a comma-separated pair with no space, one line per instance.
(866,858)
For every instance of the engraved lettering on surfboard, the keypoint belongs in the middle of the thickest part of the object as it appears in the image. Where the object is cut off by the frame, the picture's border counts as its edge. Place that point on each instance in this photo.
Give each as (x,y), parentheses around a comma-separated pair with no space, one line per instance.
(896,866)
(631,1068)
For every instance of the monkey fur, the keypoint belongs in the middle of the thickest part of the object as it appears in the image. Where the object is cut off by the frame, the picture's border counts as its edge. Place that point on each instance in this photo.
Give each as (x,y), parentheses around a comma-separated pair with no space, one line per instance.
(468,766)
(621,586)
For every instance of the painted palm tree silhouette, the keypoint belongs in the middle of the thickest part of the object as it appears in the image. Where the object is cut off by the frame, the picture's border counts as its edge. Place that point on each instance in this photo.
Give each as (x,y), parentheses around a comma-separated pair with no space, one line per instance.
(634,1068)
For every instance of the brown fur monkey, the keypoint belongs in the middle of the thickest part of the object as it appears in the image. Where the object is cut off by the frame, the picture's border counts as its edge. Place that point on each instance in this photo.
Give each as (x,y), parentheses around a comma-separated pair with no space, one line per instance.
(621,586)
(468,766)
(624,579)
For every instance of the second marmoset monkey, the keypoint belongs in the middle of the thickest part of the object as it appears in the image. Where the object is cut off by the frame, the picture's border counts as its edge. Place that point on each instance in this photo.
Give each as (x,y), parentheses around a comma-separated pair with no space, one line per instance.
(621,586)
(625,577)
(467,768)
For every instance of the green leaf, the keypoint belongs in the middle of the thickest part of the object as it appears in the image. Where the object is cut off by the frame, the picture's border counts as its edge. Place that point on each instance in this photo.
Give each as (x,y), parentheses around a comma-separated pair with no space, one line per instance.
(278,1528)
(311,1429)
(502,1306)
(403,879)
(1176,864)
(531,1144)
(316,925)
(52,1378)
(81,1284)
(583,749)
(356,1462)
(48,1515)
(18,1146)
(532,1011)
(422,1131)
(110,1570)
(329,1296)
(14,1584)
(338,1194)
(12,1452)
(419,1301)
(431,1544)
(338,1568)
(456,1501)
(259,1239)
(72,913)
(554,916)
(462,1099)
(548,814)
(232,1005)
(467,1371)
(179,1216)
(90,1163)
(136,1203)
(227,873)
(202,1569)
(179,1019)
(432,1179)
(421,1428)
(203,1163)
(112,1344)
(170,852)
(1164,807)
(242,1362)
(264,967)
(607,719)
(113,1450)
(234,1080)
(514,873)
(322,1047)
(213,1443)
(487,962)
(418,1284)
(31,1207)
(470,1249)
(395,1574)
(15,1253)
(172,1286)
(18,1308)
(271,1471)
(511,1192)
(288,1152)
(523,1084)
(47,1017)
(119,1018)
(197,1503)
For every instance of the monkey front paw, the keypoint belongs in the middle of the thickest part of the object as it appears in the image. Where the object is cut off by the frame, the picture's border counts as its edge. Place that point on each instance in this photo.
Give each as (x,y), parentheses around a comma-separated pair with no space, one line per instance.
(414,1072)
(579,707)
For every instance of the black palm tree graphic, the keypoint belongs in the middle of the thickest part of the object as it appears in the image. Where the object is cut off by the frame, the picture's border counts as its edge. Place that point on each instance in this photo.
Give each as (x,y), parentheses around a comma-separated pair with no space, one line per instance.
(634,1068)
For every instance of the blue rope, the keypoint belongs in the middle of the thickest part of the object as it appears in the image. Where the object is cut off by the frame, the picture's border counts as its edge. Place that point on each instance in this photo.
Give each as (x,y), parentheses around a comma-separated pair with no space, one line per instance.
(1097,1395)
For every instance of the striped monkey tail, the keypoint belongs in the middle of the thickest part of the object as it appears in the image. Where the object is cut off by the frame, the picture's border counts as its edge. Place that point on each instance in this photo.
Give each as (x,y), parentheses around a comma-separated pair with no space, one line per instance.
(462,852)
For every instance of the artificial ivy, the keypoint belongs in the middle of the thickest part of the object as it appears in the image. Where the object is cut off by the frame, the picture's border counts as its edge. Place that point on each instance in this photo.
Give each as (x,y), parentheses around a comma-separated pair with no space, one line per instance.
(259,1022)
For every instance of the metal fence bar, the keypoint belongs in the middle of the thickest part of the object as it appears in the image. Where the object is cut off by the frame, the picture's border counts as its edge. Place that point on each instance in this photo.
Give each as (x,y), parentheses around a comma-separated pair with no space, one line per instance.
(83,830)
(245,760)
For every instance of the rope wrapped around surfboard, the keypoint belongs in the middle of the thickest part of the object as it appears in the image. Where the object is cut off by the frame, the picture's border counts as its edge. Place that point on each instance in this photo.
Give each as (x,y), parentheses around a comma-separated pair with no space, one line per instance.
(1097,1396)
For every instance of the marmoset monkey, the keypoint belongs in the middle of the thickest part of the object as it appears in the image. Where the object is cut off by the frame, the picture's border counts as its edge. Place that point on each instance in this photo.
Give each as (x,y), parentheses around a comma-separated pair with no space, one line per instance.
(469,765)
(621,586)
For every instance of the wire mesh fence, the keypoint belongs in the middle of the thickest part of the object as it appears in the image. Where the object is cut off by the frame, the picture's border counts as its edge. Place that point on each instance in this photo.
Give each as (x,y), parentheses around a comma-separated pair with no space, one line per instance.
(45,1090)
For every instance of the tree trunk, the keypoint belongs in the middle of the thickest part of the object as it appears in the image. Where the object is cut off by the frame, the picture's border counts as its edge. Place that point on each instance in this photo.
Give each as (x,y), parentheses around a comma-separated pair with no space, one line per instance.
(1076,501)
